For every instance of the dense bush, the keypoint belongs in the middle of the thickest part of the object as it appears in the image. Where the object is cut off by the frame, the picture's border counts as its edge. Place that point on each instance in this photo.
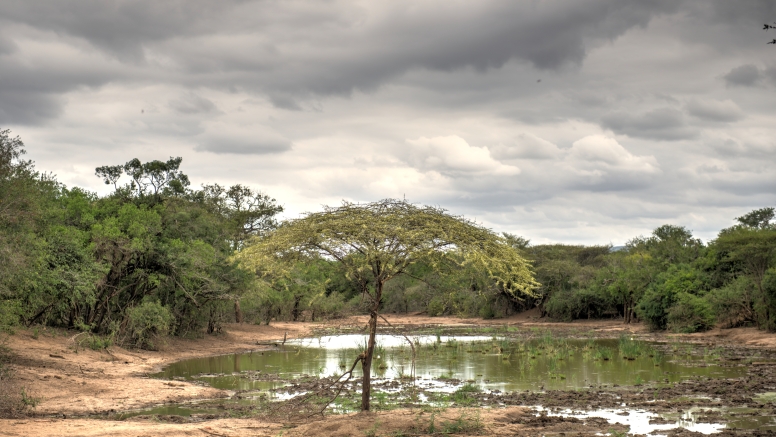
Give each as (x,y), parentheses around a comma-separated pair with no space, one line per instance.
(71,258)
(147,324)
(157,257)
(689,314)
(733,302)
(585,303)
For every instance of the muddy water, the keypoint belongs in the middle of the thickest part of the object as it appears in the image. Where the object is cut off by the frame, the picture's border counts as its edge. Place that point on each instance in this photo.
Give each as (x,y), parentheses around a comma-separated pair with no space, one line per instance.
(442,362)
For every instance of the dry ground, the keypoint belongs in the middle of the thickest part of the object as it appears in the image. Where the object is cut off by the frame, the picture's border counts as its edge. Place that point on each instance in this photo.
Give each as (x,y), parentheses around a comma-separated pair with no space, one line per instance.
(72,384)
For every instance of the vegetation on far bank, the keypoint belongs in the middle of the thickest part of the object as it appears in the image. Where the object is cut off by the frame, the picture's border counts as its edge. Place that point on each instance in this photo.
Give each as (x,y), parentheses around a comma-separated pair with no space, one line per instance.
(157,257)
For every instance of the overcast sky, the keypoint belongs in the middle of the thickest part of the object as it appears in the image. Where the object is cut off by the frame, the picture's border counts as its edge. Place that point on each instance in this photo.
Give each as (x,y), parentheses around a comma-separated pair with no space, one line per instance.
(585,121)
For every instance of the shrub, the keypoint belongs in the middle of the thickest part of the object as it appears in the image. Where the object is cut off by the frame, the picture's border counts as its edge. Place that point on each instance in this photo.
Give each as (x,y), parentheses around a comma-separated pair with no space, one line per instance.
(562,305)
(653,308)
(733,303)
(147,324)
(9,315)
(328,307)
(436,306)
(568,305)
(690,314)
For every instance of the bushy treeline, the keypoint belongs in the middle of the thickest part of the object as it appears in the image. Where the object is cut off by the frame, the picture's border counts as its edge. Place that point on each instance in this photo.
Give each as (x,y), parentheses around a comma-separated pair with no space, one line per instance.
(669,280)
(153,257)
(157,257)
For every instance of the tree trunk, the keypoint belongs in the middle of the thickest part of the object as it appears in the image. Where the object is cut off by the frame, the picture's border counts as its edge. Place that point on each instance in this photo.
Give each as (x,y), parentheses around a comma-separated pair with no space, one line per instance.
(366,364)
(238,314)
(295,312)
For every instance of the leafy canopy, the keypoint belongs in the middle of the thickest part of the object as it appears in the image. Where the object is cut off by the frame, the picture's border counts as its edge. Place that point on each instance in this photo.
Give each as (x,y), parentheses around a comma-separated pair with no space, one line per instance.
(380,240)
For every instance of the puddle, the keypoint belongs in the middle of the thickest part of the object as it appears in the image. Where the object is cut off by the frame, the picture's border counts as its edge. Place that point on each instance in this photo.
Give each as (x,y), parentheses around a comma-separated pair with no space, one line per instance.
(491,364)
(643,422)
(444,363)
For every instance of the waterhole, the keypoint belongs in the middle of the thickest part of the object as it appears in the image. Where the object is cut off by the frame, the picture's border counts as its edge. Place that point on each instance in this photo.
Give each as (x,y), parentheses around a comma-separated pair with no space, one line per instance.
(439,367)
(489,363)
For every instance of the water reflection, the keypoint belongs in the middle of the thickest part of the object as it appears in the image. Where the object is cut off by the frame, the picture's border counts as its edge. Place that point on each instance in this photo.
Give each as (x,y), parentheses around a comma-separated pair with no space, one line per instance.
(492,363)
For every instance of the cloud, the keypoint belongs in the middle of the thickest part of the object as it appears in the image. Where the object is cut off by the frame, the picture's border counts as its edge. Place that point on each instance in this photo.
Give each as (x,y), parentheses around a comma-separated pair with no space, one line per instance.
(599,151)
(715,110)
(602,164)
(248,144)
(37,74)
(527,146)
(191,103)
(123,29)
(452,155)
(27,108)
(7,46)
(313,102)
(344,46)
(664,124)
(745,75)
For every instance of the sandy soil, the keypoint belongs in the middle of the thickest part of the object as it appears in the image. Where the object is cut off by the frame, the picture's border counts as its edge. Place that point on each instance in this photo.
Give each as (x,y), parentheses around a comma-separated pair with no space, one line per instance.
(78,383)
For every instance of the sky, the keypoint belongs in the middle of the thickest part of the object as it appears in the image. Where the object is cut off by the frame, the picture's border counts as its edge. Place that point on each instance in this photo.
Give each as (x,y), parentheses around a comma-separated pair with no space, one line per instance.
(578,122)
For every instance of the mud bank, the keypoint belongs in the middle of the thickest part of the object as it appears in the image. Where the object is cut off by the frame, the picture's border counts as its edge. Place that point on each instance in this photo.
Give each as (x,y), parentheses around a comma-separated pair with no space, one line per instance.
(74,383)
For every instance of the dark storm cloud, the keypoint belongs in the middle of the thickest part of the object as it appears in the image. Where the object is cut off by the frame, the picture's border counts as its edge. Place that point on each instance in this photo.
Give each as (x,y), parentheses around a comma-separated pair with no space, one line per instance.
(121,28)
(666,124)
(337,48)
(30,91)
(744,75)
(27,108)
(321,99)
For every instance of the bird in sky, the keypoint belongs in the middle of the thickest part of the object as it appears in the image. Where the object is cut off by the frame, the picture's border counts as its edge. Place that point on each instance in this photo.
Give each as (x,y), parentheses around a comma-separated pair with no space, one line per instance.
(772,42)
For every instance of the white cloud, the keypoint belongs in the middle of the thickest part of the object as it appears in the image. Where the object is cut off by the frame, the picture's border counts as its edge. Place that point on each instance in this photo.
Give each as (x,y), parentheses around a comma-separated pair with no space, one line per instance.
(605,153)
(452,155)
(527,146)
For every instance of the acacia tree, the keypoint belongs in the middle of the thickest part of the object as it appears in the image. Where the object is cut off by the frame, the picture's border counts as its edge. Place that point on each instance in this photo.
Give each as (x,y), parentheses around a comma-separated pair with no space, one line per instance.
(376,242)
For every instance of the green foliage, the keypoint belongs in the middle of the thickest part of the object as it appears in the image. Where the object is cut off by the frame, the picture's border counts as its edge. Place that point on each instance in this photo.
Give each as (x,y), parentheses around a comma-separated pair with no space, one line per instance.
(567,305)
(690,314)
(377,242)
(603,353)
(70,258)
(98,342)
(759,218)
(147,324)
(381,240)
(10,312)
(662,294)
(73,259)
(629,348)
(465,423)
(653,308)
(29,400)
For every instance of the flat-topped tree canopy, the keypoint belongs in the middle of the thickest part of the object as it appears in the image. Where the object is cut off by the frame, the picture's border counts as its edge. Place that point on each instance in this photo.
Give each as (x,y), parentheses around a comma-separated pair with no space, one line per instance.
(378,241)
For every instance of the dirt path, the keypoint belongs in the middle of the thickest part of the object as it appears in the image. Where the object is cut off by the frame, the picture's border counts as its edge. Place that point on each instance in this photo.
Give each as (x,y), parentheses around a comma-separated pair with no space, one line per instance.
(73,384)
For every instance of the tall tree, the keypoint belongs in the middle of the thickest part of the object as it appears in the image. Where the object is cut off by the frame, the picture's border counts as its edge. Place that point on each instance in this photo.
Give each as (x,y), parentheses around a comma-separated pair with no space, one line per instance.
(248,212)
(148,178)
(376,242)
